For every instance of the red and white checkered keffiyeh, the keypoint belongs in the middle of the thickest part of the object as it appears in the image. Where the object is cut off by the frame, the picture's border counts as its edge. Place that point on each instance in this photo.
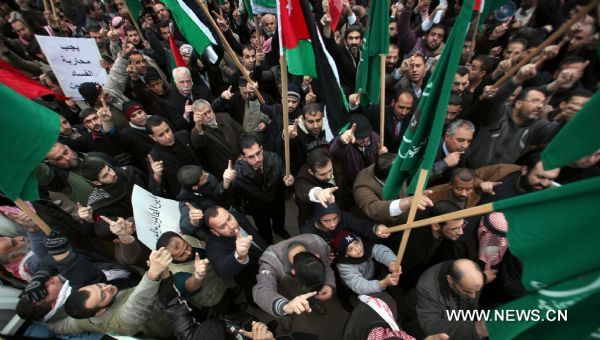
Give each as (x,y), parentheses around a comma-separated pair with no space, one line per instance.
(384,311)
(380,333)
(5,209)
(492,238)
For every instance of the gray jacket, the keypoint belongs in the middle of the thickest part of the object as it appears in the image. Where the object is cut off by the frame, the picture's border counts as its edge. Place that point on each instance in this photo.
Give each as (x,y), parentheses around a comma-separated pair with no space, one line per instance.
(358,277)
(434,298)
(275,285)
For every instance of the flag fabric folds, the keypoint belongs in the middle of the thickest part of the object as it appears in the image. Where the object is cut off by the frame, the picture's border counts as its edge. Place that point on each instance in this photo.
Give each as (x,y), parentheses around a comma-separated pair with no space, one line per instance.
(135,8)
(13,78)
(377,42)
(194,30)
(553,233)
(29,131)
(421,140)
(294,38)
(582,129)
(176,55)
(327,80)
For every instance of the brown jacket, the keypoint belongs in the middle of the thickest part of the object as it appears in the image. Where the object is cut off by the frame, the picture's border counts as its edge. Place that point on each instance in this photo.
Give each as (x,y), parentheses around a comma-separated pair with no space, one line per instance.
(493,173)
(368,193)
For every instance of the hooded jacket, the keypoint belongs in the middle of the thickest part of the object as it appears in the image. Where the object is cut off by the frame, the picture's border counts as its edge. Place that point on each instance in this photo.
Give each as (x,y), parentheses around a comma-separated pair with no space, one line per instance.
(347,221)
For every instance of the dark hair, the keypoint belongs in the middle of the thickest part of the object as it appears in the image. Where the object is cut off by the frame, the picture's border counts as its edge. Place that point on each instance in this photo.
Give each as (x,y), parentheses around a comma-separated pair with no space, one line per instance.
(462,70)
(164,23)
(443,207)
(401,91)
(486,62)
(89,5)
(455,99)
(383,165)
(86,112)
(354,28)
(579,93)
(532,160)
(29,310)
(525,92)
(75,305)
(154,120)
(165,238)
(247,48)
(189,175)
(440,26)
(211,212)
(317,158)
(311,108)
(464,174)
(129,28)
(518,41)
(93,28)
(570,60)
(135,52)
(310,271)
(50,75)
(248,141)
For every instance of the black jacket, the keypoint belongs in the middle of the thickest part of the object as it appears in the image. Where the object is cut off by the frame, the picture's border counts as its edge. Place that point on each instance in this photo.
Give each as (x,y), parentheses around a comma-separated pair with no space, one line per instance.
(261,188)
(176,105)
(347,221)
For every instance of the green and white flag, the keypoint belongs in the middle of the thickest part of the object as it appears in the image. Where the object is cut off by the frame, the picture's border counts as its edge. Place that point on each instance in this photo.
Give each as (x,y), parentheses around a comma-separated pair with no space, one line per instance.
(422,138)
(194,30)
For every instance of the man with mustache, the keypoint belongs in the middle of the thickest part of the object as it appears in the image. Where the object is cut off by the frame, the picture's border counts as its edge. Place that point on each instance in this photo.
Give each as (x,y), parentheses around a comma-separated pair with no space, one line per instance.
(95,138)
(510,131)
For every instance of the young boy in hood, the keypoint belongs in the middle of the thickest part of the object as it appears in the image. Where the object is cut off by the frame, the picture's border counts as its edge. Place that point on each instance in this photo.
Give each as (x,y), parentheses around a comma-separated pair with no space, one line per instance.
(356,263)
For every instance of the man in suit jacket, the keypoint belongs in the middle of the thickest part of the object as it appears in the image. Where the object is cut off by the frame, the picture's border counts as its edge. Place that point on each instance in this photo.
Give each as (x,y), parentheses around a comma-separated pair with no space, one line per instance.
(182,96)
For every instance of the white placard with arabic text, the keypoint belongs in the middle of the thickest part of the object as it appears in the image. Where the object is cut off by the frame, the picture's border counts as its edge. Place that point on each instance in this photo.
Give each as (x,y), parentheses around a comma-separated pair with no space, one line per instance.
(153,216)
(74,61)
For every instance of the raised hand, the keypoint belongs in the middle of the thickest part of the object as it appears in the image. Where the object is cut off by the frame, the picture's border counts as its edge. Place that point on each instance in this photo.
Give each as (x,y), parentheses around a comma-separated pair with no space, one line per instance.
(453,158)
(242,246)
(310,97)
(157,168)
(382,231)
(229,175)
(227,94)
(195,214)
(158,262)
(354,99)
(326,196)
(299,304)
(293,129)
(85,213)
(288,180)
(348,136)
(200,267)
(488,187)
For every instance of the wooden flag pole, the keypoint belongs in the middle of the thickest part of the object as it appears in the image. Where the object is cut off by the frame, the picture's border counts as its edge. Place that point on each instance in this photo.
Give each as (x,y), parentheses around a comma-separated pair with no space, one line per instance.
(229,49)
(34,217)
(382,102)
(478,210)
(284,108)
(411,214)
(134,22)
(53,9)
(557,34)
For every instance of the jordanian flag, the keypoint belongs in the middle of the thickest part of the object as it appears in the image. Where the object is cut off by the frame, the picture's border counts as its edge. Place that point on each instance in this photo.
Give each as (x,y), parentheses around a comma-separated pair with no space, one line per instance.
(377,42)
(554,232)
(295,39)
(312,59)
(422,138)
(263,6)
(583,128)
(194,30)
(29,130)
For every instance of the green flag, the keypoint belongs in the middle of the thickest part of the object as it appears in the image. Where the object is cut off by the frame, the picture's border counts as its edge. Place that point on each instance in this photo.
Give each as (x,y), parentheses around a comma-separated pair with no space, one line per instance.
(579,138)
(554,233)
(422,138)
(377,42)
(194,30)
(263,6)
(135,8)
(29,130)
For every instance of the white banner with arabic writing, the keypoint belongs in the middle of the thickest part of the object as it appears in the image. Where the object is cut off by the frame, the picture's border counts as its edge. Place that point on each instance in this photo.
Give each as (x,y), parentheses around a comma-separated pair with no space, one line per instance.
(74,61)
(153,216)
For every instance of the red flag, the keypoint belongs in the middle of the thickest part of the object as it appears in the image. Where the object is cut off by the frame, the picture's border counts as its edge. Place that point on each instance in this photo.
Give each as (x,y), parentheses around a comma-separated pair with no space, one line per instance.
(478,5)
(27,87)
(176,55)
(335,11)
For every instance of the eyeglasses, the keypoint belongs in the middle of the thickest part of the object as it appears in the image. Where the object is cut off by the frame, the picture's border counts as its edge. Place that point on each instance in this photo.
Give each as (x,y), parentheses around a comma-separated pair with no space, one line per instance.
(535,101)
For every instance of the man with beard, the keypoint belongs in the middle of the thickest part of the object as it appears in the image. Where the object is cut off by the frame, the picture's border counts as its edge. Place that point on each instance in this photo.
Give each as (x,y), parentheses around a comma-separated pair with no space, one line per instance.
(95,138)
(216,135)
(508,132)
(268,23)
(72,135)
(61,172)
(532,177)
(428,46)
(445,287)
(346,55)
(391,59)
(152,92)
(182,97)
(457,139)
(307,134)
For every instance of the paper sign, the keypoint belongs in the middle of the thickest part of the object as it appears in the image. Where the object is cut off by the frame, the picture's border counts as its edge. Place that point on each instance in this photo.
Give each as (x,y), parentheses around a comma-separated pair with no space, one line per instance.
(153,216)
(74,61)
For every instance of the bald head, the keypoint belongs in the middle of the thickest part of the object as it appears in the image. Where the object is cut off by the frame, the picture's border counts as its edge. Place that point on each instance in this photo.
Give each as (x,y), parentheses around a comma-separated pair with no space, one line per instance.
(465,278)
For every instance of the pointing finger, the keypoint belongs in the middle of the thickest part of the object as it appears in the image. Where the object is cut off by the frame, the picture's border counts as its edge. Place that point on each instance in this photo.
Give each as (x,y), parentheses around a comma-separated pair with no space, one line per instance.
(189,205)
(308,295)
(359,92)
(229,165)
(353,128)
(106,219)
